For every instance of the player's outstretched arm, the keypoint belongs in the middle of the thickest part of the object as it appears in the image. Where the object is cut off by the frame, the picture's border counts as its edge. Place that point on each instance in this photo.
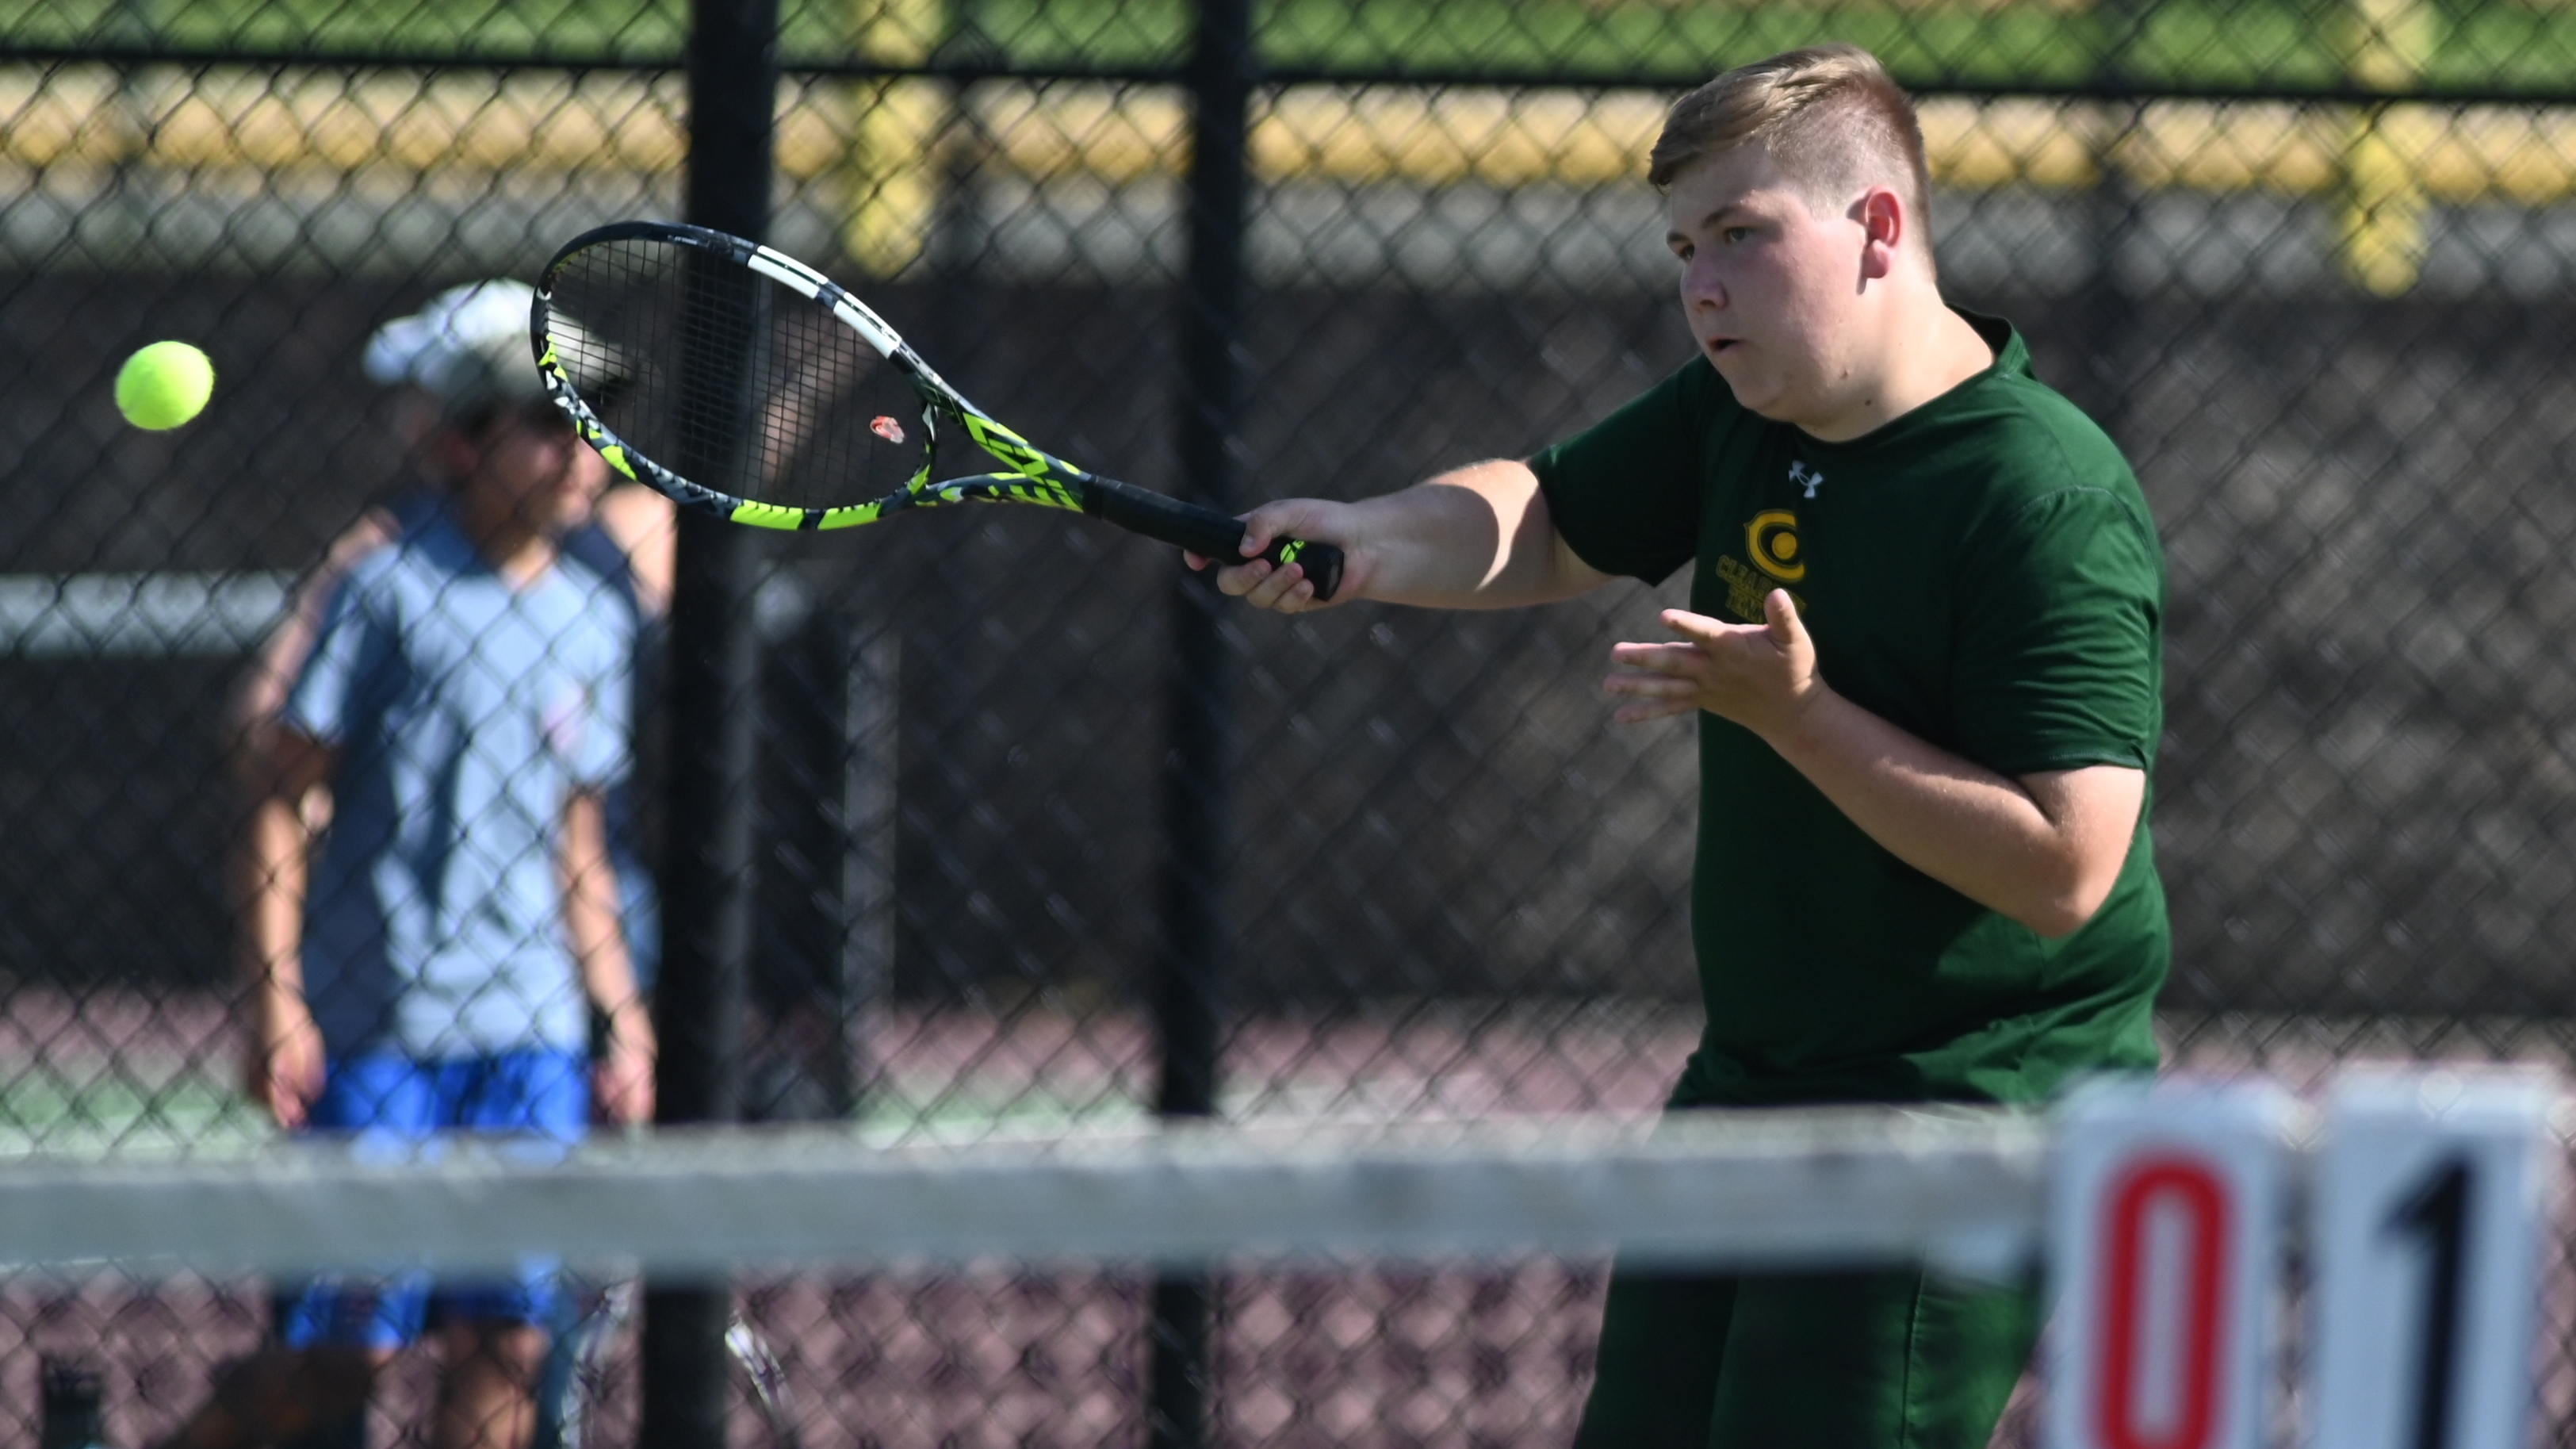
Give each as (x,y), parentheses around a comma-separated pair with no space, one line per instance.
(1477,537)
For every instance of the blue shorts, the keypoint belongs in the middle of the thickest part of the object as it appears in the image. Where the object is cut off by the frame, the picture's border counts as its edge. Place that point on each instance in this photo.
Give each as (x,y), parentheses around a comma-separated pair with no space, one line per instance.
(545,1093)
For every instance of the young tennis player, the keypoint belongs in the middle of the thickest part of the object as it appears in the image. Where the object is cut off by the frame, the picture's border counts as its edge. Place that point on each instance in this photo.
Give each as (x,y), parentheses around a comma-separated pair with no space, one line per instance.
(1923,652)
(629,540)
(461,710)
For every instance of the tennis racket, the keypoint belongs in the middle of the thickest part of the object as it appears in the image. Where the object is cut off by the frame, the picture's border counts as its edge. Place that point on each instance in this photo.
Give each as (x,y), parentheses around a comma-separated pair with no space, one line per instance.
(581,1372)
(751,386)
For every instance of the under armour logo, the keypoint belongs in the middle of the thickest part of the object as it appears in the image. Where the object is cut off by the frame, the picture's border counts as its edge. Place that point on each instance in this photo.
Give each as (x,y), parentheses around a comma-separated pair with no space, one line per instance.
(1805,478)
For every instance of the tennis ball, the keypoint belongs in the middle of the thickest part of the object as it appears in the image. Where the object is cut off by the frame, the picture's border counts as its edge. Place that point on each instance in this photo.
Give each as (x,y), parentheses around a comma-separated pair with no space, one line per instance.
(164,385)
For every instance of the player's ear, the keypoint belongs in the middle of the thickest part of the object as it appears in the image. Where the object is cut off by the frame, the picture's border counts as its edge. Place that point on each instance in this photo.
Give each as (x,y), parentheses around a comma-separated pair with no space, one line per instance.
(1883,221)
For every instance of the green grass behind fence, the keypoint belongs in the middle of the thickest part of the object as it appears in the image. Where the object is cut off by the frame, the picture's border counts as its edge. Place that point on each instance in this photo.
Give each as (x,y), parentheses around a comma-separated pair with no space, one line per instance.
(2456,43)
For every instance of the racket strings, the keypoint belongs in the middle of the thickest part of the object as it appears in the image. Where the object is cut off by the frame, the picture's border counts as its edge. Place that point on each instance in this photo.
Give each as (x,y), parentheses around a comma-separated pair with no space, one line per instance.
(733,381)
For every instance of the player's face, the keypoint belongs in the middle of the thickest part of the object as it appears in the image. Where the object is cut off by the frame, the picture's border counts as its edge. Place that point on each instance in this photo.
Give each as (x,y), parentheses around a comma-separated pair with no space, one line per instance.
(1769,287)
(532,464)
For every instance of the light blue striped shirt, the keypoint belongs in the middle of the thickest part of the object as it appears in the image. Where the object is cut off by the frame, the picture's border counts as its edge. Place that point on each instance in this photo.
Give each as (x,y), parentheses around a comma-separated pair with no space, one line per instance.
(464,712)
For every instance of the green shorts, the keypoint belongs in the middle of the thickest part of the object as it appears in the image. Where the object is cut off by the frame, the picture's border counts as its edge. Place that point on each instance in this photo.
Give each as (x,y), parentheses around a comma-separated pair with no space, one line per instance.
(1851,1360)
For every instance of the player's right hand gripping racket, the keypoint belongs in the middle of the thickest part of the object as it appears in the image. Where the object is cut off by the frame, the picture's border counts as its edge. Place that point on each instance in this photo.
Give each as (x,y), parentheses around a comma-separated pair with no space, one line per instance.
(747,384)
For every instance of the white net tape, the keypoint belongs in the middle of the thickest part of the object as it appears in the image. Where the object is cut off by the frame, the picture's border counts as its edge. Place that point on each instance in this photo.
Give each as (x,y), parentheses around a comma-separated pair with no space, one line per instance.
(1774,1187)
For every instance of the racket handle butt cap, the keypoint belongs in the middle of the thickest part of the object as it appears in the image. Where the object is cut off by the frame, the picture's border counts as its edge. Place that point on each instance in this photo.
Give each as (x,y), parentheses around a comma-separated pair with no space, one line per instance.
(1322,563)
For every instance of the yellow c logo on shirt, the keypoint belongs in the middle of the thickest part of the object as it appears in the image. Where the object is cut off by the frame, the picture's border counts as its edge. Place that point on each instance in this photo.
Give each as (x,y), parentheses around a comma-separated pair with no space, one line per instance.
(1772,539)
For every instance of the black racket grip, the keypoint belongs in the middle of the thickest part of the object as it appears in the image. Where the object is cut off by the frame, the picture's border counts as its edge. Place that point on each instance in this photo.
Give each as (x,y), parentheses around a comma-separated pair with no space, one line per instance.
(1205,531)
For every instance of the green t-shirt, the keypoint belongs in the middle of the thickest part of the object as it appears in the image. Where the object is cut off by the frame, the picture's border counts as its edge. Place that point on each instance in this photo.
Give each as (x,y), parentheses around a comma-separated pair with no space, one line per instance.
(1981,572)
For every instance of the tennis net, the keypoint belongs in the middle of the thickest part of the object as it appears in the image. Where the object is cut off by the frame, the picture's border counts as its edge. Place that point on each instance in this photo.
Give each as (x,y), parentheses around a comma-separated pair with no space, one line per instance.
(1790,1186)
(1366,1284)
(2389,1247)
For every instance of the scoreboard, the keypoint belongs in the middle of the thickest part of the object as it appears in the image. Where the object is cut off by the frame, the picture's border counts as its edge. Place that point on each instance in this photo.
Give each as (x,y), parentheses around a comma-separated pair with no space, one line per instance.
(2415,1208)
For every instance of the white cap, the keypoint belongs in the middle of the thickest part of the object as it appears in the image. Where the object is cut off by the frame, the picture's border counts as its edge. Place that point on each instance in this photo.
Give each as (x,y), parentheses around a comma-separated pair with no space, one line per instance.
(469,345)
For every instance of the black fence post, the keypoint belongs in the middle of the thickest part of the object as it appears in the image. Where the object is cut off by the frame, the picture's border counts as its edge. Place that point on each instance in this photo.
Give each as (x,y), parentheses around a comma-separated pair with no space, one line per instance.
(827,940)
(1194,772)
(707,880)
(2106,305)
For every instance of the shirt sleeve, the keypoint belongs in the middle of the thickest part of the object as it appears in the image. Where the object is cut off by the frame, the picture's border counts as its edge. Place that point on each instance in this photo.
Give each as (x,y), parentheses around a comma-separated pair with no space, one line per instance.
(352,635)
(2059,653)
(1624,493)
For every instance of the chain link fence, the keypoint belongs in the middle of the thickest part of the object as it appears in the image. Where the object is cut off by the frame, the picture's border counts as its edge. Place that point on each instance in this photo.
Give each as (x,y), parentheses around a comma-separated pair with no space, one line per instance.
(2311,263)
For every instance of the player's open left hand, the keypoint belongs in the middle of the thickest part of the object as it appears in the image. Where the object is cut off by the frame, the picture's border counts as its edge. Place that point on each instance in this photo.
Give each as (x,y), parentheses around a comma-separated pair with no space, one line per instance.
(1286,588)
(1762,676)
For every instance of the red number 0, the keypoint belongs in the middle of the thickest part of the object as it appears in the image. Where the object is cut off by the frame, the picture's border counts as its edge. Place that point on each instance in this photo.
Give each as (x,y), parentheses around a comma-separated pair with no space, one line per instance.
(2171,1184)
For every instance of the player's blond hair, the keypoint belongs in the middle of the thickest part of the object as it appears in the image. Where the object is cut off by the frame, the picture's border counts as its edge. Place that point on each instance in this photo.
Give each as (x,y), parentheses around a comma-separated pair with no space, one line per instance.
(1831,117)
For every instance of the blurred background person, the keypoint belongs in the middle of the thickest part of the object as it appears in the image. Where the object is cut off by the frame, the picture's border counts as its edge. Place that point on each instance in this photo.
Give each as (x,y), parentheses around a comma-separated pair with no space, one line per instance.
(431,919)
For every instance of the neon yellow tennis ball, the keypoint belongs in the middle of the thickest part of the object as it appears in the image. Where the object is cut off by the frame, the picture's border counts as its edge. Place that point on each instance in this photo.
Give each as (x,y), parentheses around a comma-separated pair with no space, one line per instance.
(164,385)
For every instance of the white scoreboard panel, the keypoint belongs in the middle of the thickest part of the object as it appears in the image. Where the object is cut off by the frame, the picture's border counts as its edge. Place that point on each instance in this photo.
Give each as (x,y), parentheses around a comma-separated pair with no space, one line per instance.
(2165,1214)
(2429,1196)
(2429,1211)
